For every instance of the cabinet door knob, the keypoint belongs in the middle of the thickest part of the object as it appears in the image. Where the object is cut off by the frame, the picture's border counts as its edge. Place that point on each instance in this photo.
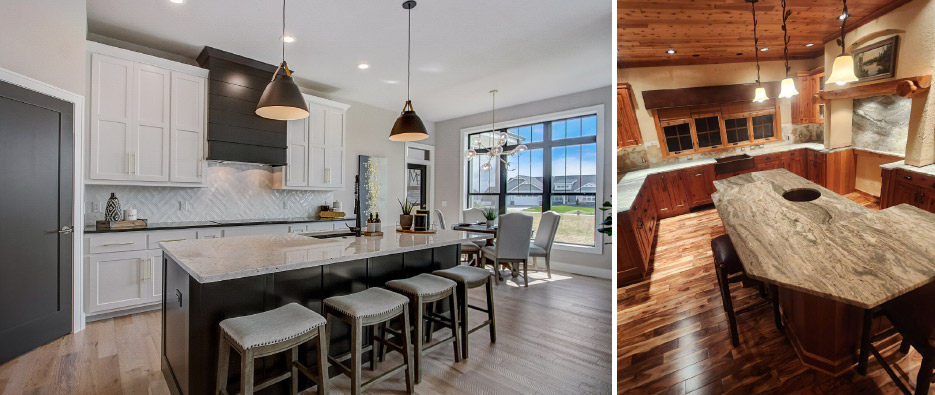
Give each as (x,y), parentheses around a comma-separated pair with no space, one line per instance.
(698,175)
(908,177)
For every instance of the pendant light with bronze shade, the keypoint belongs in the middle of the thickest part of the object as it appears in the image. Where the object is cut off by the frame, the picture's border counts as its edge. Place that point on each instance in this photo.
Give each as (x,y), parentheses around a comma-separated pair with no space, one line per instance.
(759,95)
(787,87)
(408,126)
(842,71)
(282,100)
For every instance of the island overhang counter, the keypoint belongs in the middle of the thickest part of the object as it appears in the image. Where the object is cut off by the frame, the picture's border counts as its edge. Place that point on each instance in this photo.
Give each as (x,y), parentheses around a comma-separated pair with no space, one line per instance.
(207,281)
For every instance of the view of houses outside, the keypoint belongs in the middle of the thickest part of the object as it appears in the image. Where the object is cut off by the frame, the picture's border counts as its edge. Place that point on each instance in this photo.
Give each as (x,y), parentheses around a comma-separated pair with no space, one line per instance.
(573,184)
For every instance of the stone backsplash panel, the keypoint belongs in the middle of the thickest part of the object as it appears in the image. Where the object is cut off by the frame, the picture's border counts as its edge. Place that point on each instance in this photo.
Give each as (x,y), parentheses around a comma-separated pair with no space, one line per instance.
(234,191)
(881,123)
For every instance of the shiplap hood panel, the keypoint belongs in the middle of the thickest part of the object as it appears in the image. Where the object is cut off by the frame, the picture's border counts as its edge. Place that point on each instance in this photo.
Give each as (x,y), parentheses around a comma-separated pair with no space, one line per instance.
(235,132)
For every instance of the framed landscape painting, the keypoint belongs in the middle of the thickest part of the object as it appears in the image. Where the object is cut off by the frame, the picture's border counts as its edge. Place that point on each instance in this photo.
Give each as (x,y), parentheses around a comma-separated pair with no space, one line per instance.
(876,61)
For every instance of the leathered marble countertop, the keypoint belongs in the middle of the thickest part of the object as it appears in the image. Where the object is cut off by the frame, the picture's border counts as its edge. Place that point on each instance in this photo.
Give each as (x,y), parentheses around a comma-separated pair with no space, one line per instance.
(213,260)
(629,186)
(830,247)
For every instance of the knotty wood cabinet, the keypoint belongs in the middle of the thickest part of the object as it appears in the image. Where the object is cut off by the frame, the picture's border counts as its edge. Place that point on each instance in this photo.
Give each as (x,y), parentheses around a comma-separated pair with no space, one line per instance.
(628,130)
(906,187)
(794,161)
(699,184)
(636,236)
(804,107)
(816,167)
(669,193)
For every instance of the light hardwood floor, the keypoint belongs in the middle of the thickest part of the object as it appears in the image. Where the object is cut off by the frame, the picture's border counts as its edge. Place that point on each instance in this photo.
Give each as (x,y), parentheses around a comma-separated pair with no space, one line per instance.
(672,334)
(552,338)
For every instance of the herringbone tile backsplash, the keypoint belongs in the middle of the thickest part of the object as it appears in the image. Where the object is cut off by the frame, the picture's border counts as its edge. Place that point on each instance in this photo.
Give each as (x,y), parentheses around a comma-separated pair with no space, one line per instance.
(234,191)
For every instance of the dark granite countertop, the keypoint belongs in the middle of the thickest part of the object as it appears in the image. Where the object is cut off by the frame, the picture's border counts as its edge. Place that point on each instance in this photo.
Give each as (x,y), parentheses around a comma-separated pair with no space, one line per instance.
(219,223)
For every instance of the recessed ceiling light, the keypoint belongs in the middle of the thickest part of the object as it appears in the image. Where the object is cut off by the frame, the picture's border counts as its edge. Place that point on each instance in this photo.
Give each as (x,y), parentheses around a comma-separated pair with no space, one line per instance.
(288,38)
(809,44)
(764,49)
(363,66)
(177,1)
(842,17)
(670,51)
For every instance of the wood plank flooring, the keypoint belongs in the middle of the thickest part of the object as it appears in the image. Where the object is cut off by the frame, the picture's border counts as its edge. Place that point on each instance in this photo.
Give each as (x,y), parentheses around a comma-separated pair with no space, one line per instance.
(552,338)
(672,334)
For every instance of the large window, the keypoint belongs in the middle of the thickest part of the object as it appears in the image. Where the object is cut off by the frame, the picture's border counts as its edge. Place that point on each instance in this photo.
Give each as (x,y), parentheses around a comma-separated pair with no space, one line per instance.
(557,172)
(691,130)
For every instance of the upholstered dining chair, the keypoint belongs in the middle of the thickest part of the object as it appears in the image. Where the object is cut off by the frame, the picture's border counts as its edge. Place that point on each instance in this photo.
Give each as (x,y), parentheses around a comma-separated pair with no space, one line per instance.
(512,246)
(469,249)
(545,236)
(473,215)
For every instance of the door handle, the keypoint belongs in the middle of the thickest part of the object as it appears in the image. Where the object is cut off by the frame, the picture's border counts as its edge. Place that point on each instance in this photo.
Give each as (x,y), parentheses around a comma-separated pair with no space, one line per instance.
(178,297)
(66,230)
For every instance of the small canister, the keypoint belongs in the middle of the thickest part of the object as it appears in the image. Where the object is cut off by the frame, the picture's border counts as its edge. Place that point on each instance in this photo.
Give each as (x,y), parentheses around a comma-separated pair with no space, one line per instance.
(129,214)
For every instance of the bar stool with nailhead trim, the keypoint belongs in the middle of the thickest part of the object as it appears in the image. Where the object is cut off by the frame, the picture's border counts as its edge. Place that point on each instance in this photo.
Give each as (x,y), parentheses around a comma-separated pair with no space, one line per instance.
(271,332)
(370,307)
(468,277)
(427,288)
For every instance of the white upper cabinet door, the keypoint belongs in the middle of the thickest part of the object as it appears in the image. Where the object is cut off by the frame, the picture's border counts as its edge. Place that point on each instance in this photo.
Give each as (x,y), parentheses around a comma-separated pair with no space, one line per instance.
(334,129)
(334,167)
(188,128)
(297,153)
(111,118)
(316,151)
(150,155)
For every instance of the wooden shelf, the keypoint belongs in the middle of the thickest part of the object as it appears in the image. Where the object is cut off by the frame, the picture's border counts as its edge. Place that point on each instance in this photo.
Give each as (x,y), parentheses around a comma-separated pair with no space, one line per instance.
(905,87)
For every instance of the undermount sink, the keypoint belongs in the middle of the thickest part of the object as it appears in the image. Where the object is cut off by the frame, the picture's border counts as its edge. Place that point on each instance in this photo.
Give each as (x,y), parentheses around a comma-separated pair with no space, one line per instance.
(733,163)
(328,235)
(801,195)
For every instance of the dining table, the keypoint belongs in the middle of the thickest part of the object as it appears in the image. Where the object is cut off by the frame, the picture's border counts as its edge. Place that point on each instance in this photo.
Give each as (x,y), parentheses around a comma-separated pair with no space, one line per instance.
(834,261)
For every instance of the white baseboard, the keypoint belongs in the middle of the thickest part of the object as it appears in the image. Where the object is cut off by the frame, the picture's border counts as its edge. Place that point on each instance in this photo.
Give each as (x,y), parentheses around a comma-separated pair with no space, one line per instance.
(578,269)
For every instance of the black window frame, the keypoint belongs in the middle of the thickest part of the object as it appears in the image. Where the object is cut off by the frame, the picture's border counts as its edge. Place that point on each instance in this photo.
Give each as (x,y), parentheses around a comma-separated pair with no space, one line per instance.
(546,145)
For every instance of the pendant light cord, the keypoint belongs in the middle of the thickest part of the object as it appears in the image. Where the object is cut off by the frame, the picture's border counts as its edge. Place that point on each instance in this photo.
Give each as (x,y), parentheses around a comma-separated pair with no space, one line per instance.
(283,38)
(785,36)
(493,112)
(756,41)
(409,56)
(843,22)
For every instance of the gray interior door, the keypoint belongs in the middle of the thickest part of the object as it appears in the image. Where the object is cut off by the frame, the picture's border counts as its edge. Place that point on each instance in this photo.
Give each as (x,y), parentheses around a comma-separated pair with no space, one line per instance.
(36,194)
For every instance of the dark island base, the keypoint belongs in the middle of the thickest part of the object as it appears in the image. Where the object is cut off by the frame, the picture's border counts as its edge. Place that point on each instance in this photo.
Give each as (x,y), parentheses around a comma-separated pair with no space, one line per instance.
(192,312)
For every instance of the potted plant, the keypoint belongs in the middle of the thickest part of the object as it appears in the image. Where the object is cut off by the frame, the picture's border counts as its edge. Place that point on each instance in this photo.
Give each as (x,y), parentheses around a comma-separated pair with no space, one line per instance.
(491,215)
(405,220)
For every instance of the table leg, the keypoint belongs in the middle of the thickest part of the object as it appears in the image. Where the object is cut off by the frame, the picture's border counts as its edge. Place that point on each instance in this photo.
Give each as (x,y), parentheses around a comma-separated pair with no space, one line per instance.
(865,337)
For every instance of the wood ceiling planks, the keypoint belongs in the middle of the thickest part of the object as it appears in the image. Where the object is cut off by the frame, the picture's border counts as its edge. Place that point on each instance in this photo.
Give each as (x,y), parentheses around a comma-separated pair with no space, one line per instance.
(721,31)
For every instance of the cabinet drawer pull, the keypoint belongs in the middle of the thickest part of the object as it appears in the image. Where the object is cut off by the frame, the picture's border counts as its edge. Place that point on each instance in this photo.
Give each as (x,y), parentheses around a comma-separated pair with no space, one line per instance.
(908,177)
(117,244)
(166,241)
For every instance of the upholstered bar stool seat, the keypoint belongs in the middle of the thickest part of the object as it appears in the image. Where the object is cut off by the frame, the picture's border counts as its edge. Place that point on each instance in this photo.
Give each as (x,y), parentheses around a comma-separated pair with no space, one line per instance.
(368,308)
(468,277)
(425,289)
(268,333)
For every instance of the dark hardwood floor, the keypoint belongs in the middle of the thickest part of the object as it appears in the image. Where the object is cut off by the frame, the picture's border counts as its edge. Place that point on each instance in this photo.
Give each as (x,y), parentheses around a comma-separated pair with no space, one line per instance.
(672,334)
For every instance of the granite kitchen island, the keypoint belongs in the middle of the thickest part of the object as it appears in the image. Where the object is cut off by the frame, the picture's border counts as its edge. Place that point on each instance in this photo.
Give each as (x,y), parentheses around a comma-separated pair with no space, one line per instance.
(832,259)
(207,281)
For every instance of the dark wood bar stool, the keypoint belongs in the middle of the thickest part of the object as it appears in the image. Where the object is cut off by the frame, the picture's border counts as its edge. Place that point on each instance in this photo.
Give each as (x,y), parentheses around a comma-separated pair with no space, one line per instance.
(913,317)
(370,307)
(729,270)
(272,332)
(469,277)
(421,290)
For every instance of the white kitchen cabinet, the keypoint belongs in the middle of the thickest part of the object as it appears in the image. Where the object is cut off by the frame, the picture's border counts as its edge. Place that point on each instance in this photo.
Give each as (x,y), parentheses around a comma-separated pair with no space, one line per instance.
(316,147)
(147,121)
(152,277)
(116,280)
(188,128)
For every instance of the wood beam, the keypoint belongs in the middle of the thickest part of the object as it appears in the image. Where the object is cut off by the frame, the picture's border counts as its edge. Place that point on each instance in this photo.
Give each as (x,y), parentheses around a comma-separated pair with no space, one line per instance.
(911,86)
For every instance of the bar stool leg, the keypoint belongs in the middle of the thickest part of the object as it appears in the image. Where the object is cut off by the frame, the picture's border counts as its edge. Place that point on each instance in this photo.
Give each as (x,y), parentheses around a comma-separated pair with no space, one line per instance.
(356,350)
(224,351)
(490,315)
(322,360)
(455,331)
(291,358)
(246,373)
(923,380)
(430,326)
(382,328)
(865,337)
(729,307)
(417,335)
(904,346)
(462,291)
(407,356)
(373,347)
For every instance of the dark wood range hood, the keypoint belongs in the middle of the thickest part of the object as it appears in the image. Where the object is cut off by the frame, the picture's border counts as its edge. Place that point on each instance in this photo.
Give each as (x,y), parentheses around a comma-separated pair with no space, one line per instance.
(235,132)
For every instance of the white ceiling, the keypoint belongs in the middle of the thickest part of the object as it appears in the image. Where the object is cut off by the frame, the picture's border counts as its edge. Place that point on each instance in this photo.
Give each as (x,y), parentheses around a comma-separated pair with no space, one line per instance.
(528,49)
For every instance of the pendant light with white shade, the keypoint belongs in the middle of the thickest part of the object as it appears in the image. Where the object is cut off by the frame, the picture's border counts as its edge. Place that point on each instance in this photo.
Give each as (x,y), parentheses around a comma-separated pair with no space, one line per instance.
(842,71)
(759,95)
(787,87)
(408,126)
(282,100)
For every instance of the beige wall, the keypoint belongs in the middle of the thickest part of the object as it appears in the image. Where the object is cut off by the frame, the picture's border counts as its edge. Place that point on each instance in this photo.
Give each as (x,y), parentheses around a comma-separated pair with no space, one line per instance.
(673,77)
(44,40)
(916,55)
(869,177)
